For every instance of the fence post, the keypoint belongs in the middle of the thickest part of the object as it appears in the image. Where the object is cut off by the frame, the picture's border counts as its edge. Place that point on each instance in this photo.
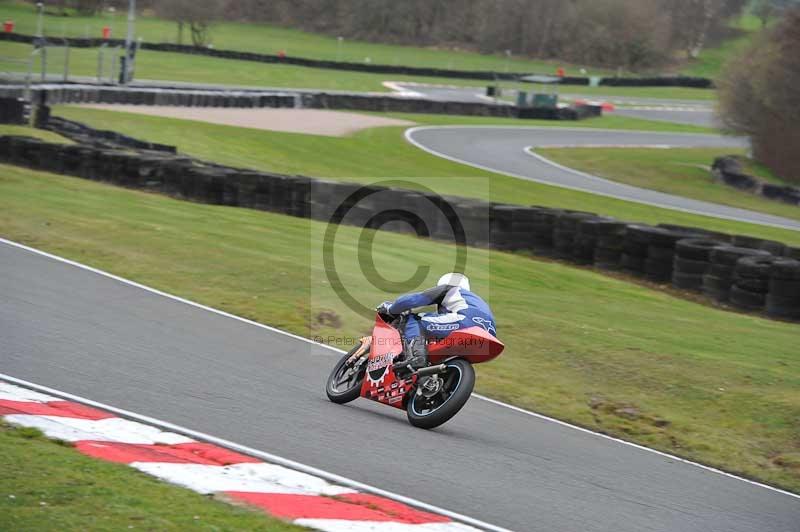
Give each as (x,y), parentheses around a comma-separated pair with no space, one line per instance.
(101,62)
(44,63)
(66,60)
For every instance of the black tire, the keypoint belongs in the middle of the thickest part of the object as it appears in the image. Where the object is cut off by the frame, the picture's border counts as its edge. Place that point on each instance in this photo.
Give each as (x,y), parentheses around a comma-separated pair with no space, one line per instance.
(660,254)
(754,267)
(696,232)
(721,270)
(605,258)
(729,255)
(458,369)
(688,281)
(746,300)
(610,228)
(350,393)
(792,252)
(696,248)
(786,269)
(782,307)
(772,246)
(759,286)
(657,270)
(719,296)
(712,283)
(785,289)
(696,267)
(616,242)
(632,263)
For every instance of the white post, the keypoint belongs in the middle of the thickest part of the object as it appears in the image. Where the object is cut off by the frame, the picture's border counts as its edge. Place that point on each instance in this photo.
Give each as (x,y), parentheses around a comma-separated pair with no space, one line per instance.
(40,20)
(130,52)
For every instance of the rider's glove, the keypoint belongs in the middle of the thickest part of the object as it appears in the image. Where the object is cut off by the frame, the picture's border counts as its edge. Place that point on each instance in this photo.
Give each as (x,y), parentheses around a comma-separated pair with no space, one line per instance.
(384,307)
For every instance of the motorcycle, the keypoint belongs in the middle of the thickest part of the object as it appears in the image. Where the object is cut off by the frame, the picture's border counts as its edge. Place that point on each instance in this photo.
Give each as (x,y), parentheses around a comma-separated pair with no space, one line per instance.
(430,395)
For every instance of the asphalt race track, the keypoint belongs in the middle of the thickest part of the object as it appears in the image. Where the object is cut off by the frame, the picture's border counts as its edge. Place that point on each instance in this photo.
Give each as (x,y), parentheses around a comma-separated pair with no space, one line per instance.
(503,149)
(87,334)
(693,112)
(680,115)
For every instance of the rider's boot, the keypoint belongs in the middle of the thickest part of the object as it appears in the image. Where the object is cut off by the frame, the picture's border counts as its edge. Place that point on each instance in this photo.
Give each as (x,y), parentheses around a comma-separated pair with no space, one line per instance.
(416,354)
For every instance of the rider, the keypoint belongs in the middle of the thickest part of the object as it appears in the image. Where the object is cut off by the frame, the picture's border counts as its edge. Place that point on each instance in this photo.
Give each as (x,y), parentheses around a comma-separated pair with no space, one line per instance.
(457,308)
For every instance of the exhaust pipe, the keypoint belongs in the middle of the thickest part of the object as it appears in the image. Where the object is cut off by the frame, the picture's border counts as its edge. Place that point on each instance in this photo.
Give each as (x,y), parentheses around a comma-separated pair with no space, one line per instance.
(432,370)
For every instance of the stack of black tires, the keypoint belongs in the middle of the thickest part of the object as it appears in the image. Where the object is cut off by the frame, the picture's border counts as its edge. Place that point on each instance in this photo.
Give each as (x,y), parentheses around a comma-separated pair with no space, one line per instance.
(783,298)
(718,281)
(650,251)
(544,220)
(692,262)
(565,231)
(609,244)
(634,249)
(751,282)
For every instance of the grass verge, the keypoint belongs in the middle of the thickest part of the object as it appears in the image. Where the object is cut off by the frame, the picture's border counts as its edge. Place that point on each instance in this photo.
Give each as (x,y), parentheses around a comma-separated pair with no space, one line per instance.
(47,485)
(151,65)
(383,152)
(701,382)
(680,171)
(261,38)
(7,129)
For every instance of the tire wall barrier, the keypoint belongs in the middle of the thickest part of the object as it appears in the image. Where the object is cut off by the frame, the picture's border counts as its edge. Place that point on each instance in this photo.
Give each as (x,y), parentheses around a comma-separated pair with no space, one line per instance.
(66,94)
(727,170)
(12,110)
(747,273)
(658,81)
(83,134)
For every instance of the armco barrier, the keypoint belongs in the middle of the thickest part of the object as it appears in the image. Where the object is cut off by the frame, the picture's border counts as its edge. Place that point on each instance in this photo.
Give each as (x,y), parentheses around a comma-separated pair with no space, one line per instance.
(68,93)
(688,258)
(659,81)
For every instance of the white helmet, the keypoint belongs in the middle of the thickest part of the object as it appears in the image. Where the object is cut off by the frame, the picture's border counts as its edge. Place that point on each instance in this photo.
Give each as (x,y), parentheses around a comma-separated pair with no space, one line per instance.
(454,279)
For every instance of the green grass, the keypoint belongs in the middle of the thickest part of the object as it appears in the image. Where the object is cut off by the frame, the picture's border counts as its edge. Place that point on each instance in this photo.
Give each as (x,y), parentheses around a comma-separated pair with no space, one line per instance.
(705,383)
(47,485)
(152,65)
(683,172)
(712,59)
(383,152)
(7,129)
(270,40)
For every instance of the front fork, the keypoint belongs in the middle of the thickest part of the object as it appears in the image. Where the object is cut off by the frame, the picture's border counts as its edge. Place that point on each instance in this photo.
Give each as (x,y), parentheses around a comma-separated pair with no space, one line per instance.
(366,343)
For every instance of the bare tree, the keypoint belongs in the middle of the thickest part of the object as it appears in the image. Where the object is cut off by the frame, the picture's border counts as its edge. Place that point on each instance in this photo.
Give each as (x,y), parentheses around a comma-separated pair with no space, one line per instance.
(197,15)
(758,96)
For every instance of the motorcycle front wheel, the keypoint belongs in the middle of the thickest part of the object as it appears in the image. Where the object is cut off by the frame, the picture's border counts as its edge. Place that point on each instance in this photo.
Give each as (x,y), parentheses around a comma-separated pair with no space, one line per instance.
(344,382)
(432,409)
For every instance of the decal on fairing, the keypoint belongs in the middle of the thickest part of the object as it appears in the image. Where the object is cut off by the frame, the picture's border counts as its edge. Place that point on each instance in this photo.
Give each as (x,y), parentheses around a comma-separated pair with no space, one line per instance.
(486,324)
(378,366)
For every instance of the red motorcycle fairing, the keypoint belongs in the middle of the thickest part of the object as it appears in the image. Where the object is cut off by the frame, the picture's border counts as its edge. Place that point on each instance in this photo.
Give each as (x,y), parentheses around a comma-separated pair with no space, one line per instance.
(380,382)
(474,344)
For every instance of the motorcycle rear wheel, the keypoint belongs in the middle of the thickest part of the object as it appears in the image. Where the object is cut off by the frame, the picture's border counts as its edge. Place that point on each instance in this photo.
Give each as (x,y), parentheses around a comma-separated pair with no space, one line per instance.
(427,413)
(341,388)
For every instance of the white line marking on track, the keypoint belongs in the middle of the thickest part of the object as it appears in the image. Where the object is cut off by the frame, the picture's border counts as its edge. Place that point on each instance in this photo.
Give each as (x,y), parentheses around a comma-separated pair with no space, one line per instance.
(409,132)
(338,525)
(297,465)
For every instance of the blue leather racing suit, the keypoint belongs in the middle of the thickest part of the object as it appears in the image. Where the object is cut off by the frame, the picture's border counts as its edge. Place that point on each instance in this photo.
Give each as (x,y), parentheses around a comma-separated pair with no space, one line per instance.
(457,308)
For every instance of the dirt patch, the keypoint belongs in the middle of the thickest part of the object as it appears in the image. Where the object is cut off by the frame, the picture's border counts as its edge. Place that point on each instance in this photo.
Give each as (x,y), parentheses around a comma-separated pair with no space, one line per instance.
(308,121)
